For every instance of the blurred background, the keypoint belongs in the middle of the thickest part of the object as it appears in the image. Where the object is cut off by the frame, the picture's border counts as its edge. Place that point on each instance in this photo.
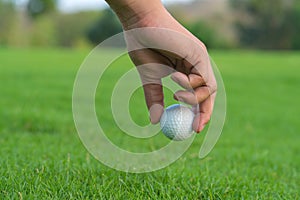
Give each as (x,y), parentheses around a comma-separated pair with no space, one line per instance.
(253,42)
(221,24)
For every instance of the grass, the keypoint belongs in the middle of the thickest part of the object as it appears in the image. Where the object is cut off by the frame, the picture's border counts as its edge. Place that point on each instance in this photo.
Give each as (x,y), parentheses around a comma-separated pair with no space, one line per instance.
(41,156)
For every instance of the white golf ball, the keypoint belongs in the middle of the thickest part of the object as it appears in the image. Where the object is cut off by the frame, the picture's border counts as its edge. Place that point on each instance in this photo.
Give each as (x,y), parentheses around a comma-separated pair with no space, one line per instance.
(176,122)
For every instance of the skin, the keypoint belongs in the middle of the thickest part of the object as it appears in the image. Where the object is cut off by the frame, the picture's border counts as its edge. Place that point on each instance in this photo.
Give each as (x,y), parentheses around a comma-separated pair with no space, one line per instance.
(192,65)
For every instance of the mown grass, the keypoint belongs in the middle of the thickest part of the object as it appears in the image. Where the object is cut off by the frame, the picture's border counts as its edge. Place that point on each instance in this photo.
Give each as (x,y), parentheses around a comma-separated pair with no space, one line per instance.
(41,156)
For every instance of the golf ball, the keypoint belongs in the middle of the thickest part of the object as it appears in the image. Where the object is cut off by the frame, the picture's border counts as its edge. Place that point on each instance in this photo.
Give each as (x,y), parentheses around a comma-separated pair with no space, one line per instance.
(176,122)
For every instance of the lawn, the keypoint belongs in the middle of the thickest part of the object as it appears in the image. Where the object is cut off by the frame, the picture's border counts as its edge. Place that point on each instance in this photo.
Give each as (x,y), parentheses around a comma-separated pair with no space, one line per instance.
(42,157)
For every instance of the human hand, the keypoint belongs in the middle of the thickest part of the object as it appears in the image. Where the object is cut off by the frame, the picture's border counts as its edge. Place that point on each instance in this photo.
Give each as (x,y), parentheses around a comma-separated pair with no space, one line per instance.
(158,40)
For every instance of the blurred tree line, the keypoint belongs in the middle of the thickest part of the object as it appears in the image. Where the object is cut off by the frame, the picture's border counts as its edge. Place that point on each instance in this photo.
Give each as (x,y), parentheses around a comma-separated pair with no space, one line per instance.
(268,24)
(41,24)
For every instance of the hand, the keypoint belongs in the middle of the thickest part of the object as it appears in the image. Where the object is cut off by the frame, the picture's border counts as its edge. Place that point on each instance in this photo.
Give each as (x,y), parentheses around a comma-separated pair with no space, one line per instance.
(168,43)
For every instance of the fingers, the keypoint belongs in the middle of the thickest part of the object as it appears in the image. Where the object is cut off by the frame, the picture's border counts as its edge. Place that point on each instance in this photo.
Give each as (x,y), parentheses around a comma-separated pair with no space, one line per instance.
(181,79)
(152,67)
(155,101)
(188,82)
(205,111)
(197,94)
(193,98)
(196,80)
(186,97)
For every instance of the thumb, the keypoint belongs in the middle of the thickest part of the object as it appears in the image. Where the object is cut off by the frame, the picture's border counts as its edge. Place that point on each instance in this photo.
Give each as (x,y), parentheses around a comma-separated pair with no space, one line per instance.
(155,101)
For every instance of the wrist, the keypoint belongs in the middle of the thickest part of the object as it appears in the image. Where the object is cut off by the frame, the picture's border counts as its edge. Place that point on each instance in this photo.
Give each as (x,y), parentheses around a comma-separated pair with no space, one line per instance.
(136,13)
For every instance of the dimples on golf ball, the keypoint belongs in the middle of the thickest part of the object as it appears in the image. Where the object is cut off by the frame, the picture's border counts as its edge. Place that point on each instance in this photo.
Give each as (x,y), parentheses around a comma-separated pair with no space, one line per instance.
(176,122)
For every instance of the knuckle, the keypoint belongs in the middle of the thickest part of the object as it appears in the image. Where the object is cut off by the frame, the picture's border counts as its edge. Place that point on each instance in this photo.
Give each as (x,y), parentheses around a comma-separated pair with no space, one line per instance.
(203,46)
(213,87)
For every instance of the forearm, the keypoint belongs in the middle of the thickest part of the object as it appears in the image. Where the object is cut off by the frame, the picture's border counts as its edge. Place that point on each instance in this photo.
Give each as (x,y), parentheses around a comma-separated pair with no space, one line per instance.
(131,12)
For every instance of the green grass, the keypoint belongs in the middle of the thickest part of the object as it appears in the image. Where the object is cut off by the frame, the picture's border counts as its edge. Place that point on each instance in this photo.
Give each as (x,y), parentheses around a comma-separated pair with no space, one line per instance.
(41,156)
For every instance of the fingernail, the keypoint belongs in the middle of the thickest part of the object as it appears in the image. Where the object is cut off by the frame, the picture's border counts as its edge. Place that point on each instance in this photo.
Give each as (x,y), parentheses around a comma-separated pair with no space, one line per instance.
(179,98)
(200,129)
(175,97)
(155,113)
